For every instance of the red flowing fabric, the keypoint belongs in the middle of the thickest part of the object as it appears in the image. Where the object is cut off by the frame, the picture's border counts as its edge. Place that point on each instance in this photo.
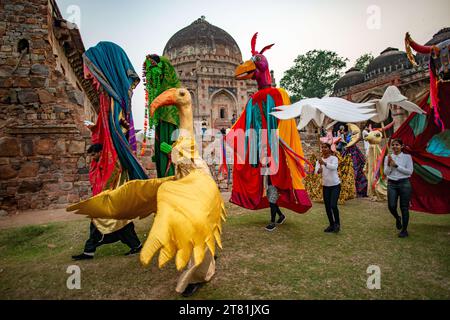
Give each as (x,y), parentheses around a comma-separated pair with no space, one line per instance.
(429,197)
(101,173)
(247,180)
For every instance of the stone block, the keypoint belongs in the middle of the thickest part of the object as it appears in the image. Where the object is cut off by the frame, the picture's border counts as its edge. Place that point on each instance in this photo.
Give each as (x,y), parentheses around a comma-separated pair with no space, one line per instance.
(27,147)
(30,186)
(40,70)
(66,186)
(9,147)
(45,96)
(76,97)
(38,82)
(22,83)
(7,172)
(45,146)
(28,96)
(29,169)
(77,147)
(60,147)
(6,82)
(5,71)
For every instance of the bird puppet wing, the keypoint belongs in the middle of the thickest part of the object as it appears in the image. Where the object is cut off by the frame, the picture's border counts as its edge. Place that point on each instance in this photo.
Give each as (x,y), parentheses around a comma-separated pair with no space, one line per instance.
(332,107)
(189,212)
(188,220)
(134,199)
(314,109)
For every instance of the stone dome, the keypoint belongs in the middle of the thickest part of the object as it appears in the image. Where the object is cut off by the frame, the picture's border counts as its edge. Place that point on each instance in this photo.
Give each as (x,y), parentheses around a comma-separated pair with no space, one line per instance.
(202,38)
(351,78)
(440,36)
(389,60)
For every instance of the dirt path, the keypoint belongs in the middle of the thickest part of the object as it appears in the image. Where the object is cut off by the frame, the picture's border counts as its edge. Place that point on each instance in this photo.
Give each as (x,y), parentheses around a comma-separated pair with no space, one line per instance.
(25,218)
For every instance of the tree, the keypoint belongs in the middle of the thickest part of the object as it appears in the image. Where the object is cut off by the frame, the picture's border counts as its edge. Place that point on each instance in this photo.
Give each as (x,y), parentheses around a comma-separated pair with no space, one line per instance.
(363,61)
(313,75)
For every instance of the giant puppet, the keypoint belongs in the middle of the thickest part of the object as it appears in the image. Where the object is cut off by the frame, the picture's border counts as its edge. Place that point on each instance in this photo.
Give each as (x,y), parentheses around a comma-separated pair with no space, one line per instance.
(264,145)
(188,206)
(113,75)
(159,75)
(427,137)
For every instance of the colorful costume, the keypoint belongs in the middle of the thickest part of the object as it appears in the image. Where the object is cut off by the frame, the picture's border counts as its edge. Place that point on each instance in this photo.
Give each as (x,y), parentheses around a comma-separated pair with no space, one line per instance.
(159,75)
(255,131)
(113,75)
(427,137)
(376,180)
(188,206)
(358,160)
(313,182)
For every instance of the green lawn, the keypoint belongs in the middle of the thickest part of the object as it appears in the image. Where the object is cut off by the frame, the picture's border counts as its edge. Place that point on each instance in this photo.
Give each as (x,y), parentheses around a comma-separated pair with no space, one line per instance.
(296,261)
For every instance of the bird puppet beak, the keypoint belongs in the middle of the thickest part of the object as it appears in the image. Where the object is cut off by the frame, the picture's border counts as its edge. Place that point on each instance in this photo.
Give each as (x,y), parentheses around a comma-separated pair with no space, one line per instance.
(167,98)
(245,70)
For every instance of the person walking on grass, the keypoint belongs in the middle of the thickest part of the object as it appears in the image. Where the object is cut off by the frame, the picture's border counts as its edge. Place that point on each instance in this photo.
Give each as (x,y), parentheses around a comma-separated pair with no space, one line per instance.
(328,166)
(125,234)
(398,168)
(272,196)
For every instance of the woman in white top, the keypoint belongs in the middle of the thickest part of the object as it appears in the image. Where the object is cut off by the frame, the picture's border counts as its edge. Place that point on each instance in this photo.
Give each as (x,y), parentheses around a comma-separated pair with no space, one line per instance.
(331,186)
(398,168)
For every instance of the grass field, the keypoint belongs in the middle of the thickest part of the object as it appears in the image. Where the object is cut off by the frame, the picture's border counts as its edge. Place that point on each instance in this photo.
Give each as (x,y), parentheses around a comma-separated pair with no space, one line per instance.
(296,261)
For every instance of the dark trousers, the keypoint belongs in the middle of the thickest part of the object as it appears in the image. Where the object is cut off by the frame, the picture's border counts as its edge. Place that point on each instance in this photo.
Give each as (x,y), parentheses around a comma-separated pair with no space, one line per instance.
(330,197)
(274,209)
(400,189)
(127,235)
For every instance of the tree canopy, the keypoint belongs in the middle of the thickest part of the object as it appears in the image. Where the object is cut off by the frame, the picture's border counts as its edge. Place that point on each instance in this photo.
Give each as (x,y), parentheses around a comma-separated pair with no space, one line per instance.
(363,61)
(313,74)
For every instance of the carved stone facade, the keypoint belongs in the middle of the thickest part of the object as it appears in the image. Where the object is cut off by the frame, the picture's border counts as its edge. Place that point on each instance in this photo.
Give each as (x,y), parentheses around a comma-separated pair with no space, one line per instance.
(43,102)
(205,58)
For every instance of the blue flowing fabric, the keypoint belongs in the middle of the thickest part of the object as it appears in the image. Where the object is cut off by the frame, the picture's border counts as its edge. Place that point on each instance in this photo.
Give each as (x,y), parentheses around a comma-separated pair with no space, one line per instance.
(253,137)
(110,65)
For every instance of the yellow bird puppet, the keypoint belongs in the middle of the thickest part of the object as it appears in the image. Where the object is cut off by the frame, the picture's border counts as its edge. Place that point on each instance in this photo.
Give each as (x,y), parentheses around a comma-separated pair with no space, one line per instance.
(188,207)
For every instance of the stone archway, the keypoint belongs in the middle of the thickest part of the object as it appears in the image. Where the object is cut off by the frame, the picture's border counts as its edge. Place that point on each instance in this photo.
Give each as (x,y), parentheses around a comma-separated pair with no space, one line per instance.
(223,105)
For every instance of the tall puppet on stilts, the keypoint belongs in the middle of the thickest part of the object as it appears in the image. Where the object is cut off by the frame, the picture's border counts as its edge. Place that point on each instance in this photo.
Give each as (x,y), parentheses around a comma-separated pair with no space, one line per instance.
(159,75)
(264,145)
(427,136)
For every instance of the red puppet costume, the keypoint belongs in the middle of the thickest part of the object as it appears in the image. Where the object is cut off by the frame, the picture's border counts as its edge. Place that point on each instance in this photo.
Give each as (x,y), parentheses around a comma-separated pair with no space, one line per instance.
(427,137)
(264,145)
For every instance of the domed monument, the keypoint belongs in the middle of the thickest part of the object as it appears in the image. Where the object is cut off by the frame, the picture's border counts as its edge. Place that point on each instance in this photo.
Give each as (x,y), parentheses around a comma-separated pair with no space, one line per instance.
(205,58)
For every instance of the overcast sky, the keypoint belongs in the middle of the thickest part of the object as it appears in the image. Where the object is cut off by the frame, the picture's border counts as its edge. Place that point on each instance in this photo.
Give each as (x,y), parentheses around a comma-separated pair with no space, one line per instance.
(348,27)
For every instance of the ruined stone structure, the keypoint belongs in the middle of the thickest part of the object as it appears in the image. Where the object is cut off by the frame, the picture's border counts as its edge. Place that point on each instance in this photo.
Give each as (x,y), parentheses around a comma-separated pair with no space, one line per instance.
(43,102)
(205,58)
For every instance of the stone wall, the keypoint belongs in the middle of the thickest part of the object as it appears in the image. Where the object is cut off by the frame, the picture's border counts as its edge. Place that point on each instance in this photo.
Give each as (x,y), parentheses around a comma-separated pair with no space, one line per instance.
(42,137)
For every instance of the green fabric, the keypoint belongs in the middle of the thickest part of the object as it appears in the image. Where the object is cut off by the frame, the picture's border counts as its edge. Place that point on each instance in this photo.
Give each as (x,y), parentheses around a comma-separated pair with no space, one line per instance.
(427,173)
(418,124)
(163,133)
(158,78)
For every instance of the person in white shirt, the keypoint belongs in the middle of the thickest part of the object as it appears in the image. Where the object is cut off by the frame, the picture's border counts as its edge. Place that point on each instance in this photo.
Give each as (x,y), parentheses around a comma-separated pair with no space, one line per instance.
(331,186)
(398,168)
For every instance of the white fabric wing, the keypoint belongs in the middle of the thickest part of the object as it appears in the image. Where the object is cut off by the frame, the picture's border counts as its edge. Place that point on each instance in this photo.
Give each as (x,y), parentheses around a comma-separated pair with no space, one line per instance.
(341,110)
